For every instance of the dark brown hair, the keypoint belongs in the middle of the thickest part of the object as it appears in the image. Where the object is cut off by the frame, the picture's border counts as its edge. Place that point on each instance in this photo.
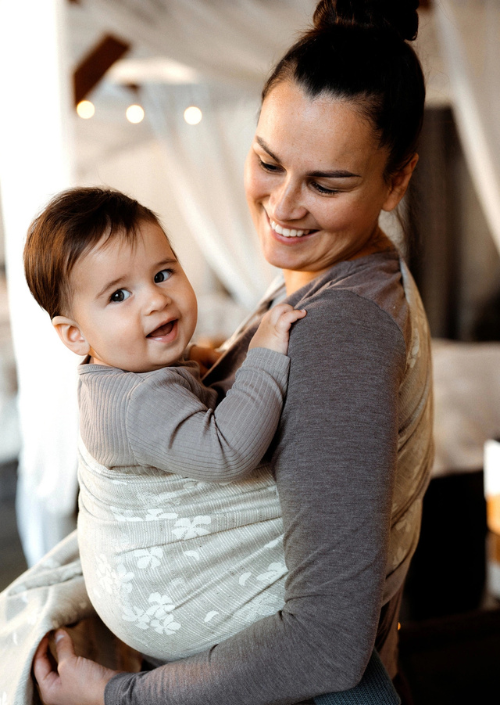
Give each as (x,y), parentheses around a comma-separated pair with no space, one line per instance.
(73,223)
(358,51)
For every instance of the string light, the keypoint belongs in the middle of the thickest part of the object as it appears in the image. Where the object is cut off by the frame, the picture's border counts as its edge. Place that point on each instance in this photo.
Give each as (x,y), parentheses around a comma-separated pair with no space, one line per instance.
(85,109)
(135,114)
(193,115)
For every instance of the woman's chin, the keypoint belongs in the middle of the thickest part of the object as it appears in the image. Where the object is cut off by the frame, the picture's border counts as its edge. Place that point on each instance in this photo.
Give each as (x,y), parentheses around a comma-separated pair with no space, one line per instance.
(290,258)
(282,261)
(283,256)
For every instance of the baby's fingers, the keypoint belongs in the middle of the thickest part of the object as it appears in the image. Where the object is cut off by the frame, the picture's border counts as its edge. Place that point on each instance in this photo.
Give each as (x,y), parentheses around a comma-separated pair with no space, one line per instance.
(288,317)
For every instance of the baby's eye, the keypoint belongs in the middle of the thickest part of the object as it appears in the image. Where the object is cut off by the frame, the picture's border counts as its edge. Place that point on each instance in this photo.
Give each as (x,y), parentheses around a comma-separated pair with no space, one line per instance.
(119,295)
(162,276)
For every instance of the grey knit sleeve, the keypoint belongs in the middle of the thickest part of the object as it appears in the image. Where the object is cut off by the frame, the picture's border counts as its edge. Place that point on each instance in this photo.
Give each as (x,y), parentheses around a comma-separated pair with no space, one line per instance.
(334,458)
(170,428)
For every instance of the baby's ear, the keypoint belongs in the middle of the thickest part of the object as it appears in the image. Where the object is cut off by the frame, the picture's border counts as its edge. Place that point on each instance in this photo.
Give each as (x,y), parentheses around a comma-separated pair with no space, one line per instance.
(71,335)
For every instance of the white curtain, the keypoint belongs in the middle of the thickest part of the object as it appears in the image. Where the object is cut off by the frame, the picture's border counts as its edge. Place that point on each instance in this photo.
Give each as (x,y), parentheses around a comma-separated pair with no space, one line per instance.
(35,163)
(205,175)
(470,41)
(234,41)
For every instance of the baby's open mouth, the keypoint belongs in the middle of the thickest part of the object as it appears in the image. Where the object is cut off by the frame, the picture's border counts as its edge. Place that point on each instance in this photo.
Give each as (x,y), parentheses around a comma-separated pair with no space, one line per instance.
(165,329)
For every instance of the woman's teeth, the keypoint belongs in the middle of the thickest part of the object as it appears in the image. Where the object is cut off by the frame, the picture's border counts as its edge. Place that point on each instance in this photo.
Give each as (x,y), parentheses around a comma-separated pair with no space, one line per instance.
(286,232)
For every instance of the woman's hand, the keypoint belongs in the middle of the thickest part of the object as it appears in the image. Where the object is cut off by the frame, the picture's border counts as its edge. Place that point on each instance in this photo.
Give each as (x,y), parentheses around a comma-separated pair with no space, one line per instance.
(75,680)
(204,356)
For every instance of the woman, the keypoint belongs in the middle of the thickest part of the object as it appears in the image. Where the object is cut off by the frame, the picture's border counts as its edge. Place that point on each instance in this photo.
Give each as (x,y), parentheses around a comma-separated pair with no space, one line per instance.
(335,145)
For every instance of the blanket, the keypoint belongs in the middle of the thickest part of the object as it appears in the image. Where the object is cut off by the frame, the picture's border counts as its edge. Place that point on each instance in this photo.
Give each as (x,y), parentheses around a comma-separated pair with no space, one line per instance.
(49,595)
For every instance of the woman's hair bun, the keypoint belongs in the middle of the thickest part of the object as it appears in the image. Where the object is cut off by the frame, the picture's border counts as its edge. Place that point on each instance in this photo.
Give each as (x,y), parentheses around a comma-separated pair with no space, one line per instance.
(399,15)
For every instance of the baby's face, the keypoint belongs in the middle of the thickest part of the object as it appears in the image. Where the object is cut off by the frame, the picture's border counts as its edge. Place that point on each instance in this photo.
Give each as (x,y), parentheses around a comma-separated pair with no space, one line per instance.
(134,304)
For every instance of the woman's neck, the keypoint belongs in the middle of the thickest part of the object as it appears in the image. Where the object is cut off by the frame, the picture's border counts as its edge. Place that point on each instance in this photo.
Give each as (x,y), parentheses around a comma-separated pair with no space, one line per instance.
(295,280)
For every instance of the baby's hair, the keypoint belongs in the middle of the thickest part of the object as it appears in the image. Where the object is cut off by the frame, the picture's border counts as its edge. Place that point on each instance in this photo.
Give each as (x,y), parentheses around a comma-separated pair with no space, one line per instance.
(71,225)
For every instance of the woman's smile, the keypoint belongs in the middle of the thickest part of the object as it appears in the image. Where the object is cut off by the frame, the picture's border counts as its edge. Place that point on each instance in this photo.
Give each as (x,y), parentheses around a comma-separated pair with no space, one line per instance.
(290,236)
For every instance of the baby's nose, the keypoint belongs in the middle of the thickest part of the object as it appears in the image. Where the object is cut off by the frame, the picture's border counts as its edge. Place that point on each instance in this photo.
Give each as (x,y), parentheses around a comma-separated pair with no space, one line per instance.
(157,300)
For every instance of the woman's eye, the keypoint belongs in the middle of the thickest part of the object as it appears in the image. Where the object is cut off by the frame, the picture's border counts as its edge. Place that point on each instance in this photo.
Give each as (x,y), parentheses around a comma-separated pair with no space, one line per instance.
(270,167)
(162,276)
(322,189)
(119,295)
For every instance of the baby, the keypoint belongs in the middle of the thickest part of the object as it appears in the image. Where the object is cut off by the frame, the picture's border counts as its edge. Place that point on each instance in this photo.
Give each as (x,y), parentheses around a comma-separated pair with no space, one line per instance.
(176,555)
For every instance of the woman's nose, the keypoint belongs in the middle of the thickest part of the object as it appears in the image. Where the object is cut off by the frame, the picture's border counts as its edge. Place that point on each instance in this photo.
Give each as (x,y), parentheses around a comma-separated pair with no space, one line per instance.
(285,202)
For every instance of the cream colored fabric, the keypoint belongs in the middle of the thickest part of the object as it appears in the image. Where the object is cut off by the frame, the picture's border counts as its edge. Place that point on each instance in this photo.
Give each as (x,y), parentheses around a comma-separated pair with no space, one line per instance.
(174,565)
(415,446)
(50,595)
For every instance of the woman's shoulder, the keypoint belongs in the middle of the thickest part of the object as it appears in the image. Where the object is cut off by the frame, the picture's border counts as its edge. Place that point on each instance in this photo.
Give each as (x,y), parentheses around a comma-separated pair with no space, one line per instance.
(373,283)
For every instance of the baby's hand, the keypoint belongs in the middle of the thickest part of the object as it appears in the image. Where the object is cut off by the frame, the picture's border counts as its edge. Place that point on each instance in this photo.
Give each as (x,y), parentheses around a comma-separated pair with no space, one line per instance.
(273,331)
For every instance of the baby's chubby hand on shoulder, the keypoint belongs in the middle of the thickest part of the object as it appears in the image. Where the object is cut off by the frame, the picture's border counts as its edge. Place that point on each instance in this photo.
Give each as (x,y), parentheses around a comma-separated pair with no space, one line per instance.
(274,329)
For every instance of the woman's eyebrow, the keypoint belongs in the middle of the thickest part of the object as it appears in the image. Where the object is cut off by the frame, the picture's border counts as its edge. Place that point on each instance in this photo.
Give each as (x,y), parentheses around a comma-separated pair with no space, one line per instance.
(266,149)
(334,174)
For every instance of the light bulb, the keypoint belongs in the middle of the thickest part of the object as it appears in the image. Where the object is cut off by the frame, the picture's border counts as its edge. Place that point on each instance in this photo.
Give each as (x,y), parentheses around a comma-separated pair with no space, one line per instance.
(193,115)
(85,109)
(135,114)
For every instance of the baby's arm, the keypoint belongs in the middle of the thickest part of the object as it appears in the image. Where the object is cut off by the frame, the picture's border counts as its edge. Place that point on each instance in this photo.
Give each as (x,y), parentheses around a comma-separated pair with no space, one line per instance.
(169,426)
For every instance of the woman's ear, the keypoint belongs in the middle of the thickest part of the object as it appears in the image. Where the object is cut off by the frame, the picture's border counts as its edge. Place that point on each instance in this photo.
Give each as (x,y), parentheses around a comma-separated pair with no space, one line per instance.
(71,335)
(399,183)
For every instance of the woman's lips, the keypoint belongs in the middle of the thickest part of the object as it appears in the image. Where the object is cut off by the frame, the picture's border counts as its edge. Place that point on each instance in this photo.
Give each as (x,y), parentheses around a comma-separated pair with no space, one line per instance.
(164,332)
(289,239)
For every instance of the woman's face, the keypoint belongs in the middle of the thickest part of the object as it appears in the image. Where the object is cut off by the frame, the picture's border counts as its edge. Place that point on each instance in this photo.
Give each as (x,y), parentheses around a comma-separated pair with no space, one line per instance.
(314,180)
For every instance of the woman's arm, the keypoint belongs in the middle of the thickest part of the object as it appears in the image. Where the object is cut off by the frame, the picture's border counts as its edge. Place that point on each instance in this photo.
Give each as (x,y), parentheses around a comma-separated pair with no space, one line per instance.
(334,458)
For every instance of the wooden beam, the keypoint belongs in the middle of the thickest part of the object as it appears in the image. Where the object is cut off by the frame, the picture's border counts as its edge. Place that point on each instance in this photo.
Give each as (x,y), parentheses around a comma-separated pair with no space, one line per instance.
(93,67)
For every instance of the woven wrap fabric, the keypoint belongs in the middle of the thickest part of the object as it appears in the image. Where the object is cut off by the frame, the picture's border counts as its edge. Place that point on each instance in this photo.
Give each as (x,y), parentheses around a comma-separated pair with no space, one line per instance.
(174,565)
(49,595)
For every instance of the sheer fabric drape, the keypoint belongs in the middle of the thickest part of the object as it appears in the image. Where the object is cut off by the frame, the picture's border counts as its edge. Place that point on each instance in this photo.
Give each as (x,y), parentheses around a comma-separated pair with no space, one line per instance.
(233,41)
(204,167)
(470,41)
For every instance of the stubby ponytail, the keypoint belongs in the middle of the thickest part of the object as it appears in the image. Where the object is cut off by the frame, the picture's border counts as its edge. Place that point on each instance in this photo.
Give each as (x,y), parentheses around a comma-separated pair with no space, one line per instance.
(398,15)
(359,50)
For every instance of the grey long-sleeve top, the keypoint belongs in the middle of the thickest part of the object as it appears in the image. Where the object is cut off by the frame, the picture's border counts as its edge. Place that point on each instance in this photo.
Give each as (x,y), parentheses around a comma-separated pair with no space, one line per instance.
(351,458)
(169,420)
